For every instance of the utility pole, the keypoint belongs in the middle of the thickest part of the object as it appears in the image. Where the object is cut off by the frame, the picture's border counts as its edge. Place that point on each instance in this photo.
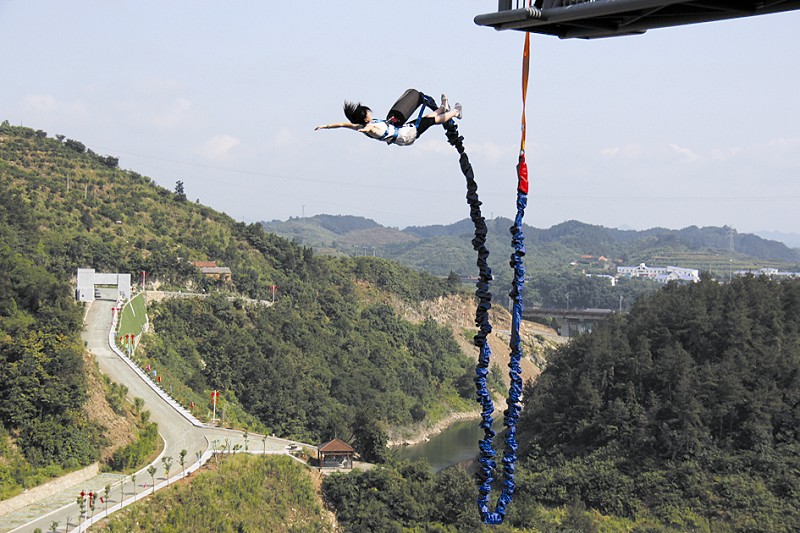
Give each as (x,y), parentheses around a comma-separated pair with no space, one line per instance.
(730,243)
(214,396)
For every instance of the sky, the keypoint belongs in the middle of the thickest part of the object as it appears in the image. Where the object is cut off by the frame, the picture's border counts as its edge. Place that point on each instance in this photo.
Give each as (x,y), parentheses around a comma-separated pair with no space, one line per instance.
(694,125)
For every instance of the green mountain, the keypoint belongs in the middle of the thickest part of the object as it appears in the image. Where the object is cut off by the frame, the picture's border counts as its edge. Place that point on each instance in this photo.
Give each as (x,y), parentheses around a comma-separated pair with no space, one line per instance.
(339,234)
(331,357)
(441,249)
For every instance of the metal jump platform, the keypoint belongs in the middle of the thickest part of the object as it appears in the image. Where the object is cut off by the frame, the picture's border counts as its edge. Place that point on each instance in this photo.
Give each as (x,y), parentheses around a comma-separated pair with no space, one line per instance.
(589,19)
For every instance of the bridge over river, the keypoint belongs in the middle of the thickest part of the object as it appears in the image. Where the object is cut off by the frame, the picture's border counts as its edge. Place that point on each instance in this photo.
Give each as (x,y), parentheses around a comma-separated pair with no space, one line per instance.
(571,322)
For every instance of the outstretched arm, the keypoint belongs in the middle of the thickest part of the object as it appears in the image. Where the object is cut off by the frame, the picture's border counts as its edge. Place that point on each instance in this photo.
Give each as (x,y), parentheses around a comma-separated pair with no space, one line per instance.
(377,128)
(338,125)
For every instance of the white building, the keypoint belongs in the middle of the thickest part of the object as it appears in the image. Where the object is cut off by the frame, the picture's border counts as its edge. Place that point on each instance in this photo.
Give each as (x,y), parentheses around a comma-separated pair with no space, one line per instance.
(611,279)
(88,280)
(660,274)
(773,273)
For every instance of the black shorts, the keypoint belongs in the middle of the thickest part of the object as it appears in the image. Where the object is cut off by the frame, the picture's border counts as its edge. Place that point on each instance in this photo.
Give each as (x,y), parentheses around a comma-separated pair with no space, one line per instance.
(424,124)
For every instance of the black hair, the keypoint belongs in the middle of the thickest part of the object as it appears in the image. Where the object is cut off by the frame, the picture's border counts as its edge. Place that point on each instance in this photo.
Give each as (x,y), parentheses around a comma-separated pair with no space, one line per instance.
(355,112)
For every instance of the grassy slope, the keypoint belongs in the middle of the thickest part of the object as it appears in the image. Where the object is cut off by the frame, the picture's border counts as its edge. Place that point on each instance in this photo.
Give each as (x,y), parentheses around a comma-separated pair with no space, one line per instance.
(242,493)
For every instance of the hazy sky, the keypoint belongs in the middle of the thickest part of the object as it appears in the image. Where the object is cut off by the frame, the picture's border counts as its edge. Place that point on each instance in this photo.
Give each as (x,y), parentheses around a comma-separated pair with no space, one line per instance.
(680,126)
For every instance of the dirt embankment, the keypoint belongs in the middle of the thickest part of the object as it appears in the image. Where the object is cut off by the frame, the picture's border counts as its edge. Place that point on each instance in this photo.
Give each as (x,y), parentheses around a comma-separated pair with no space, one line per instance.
(119,431)
(458,313)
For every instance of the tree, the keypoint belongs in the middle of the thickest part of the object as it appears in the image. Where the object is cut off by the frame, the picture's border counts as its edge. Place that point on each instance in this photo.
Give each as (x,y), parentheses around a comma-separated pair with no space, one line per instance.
(81,500)
(182,461)
(152,471)
(369,437)
(180,195)
(75,145)
(454,494)
(167,462)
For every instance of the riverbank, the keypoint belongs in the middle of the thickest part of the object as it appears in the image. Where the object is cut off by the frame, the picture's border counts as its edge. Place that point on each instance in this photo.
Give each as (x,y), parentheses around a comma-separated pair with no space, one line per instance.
(423,432)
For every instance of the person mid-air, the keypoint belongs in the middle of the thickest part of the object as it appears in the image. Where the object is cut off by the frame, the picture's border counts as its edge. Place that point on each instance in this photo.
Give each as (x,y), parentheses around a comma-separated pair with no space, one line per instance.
(395,129)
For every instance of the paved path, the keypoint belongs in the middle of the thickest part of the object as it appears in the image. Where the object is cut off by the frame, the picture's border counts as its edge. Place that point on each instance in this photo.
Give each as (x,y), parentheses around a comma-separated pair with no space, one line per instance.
(177,427)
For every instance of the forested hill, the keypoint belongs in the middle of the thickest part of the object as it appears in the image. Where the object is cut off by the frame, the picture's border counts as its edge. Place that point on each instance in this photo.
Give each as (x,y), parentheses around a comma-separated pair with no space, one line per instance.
(330,353)
(686,410)
(441,248)
(681,416)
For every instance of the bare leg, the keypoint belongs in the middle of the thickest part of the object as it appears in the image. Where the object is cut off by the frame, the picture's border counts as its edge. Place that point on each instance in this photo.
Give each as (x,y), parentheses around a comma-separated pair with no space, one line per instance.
(441,116)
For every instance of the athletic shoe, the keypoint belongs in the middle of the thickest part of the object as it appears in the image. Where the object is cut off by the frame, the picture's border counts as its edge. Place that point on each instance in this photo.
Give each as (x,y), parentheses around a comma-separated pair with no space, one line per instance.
(458,108)
(445,103)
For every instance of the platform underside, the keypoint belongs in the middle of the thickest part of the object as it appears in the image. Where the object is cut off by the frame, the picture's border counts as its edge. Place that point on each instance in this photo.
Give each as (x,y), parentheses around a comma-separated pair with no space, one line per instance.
(588,19)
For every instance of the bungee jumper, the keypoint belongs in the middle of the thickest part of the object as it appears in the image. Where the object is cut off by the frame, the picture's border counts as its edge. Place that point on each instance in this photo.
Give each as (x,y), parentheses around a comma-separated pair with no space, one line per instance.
(396,128)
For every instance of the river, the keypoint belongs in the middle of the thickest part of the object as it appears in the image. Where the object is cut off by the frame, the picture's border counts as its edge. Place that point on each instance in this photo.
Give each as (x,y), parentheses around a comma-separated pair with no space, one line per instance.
(457,443)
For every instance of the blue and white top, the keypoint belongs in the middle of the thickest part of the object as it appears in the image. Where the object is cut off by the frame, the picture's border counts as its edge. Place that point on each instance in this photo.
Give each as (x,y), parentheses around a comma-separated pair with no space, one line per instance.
(381,130)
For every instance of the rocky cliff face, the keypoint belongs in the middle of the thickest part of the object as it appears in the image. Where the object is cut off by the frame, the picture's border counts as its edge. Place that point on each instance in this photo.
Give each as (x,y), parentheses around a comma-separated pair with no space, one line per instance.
(458,312)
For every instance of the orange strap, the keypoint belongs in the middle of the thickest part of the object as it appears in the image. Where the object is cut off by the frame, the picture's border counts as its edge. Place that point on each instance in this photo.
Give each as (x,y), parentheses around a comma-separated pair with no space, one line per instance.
(526,55)
(522,167)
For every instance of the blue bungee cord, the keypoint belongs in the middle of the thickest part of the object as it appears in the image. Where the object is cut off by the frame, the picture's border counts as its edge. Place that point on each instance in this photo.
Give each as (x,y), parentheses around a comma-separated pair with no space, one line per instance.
(487,462)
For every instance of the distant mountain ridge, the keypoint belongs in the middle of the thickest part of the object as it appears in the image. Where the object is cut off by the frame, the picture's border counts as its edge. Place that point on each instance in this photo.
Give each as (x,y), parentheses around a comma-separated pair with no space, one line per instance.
(792,240)
(440,249)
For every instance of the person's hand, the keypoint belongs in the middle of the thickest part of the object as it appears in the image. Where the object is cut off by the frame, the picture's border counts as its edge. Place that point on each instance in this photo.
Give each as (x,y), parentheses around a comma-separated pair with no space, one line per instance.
(320,128)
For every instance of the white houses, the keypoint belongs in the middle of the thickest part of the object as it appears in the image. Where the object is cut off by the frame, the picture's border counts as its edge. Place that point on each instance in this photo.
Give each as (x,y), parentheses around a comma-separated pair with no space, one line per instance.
(660,274)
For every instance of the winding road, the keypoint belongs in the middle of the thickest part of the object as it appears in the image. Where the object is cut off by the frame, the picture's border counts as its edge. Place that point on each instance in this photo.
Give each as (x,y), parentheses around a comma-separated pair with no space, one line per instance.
(178,429)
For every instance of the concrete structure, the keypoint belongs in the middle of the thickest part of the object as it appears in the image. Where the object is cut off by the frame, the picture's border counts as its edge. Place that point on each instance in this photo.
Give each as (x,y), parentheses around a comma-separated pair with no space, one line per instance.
(590,19)
(88,281)
(210,269)
(571,322)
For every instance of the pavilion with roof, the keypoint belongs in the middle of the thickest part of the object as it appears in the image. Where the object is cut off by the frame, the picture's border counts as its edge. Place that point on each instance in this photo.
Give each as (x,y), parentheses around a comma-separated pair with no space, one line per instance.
(335,454)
